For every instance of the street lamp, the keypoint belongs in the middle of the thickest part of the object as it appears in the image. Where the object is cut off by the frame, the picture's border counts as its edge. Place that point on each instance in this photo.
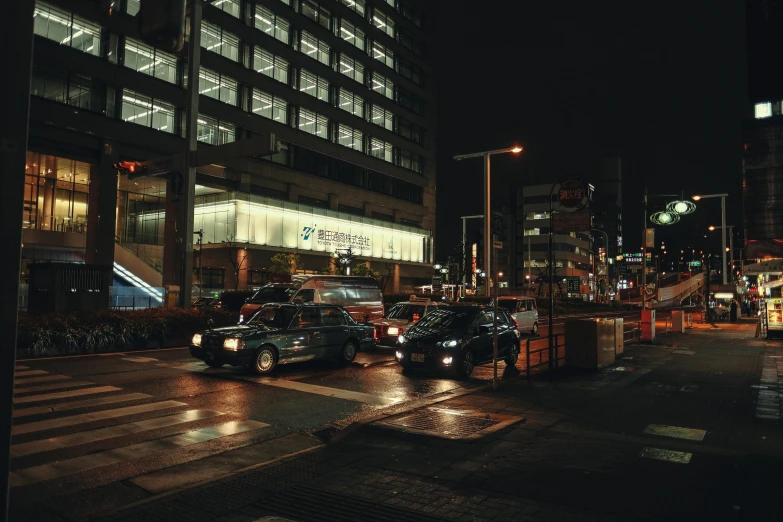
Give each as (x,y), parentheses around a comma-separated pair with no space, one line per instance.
(722,197)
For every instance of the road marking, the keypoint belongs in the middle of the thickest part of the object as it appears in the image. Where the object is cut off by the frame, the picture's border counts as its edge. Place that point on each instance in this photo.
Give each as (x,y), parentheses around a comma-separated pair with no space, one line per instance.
(112,354)
(65,406)
(675,432)
(678,457)
(55,386)
(67,467)
(139,359)
(329,392)
(19,367)
(83,418)
(87,437)
(189,366)
(62,395)
(30,372)
(684,352)
(45,378)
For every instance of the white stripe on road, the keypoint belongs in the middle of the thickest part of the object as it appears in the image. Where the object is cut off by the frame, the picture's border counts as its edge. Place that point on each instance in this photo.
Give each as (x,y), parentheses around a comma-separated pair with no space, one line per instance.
(675,432)
(67,467)
(73,420)
(63,395)
(188,366)
(45,378)
(75,439)
(677,457)
(30,372)
(19,367)
(46,387)
(329,392)
(65,406)
(139,359)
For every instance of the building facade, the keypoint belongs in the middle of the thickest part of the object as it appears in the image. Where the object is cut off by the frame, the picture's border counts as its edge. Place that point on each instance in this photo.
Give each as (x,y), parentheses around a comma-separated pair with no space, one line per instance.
(344,85)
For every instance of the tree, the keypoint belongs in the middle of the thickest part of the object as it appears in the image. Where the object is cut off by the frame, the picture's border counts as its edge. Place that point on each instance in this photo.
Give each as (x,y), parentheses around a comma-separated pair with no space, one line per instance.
(362,270)
(283,263)
(233,252)
(390,267)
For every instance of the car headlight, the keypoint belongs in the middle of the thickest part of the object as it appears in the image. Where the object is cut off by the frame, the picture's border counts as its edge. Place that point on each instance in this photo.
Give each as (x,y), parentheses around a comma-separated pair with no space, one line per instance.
(399,355)
(196,341)
(451,344)
(393,330)
(401,339)
(448,360)
(233,344)
(241,318)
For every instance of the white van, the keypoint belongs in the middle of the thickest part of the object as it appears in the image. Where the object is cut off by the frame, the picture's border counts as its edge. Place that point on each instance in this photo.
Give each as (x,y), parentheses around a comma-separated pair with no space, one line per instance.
(523,310)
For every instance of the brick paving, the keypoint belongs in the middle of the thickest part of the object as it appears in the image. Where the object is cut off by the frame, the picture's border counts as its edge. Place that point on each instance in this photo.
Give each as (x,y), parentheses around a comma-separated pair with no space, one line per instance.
(574,457)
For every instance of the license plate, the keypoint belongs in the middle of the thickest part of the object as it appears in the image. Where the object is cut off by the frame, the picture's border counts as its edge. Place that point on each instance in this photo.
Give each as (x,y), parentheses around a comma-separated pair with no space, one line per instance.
(417,357)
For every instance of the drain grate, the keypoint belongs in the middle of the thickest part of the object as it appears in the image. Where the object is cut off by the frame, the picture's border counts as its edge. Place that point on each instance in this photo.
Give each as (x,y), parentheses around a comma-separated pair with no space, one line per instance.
(443,422)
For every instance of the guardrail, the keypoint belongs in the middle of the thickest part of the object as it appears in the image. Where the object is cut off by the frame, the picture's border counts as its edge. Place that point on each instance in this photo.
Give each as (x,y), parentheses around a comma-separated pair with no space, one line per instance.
(560,348)
(633,334)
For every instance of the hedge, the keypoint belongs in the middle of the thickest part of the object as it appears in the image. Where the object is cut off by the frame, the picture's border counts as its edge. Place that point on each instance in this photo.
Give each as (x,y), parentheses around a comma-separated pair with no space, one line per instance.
(114,331)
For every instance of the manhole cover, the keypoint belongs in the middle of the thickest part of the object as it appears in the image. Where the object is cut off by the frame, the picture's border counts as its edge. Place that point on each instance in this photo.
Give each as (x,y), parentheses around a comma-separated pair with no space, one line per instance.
(449,423)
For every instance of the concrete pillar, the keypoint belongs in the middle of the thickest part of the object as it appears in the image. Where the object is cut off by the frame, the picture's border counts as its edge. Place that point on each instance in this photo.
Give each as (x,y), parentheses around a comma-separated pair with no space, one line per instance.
(172,244)
(102,210)
(396,279)
(48,171)
(334,202)
(122,210)
(243,276)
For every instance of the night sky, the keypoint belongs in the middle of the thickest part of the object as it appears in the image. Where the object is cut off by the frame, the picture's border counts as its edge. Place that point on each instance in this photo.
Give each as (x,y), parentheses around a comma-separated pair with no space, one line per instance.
(662,85)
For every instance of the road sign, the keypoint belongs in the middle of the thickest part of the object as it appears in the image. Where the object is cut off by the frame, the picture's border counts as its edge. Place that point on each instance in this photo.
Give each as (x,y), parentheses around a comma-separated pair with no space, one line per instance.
(437,282)
(497,244)
(571,194)
(572,284)
(565,222)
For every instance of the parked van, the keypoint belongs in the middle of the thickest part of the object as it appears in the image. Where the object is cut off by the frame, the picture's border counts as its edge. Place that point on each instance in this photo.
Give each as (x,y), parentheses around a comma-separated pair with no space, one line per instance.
(269,293)
(360,296)
(523,310)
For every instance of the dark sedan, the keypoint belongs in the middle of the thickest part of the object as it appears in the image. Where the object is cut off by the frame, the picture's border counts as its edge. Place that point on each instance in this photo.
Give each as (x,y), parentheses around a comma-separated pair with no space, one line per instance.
(282,333)
(458,337)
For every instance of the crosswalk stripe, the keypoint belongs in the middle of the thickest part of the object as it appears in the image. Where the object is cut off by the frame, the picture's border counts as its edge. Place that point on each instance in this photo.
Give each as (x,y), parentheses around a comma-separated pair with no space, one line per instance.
(67,467)
(65,406)
(30,372)
(75,439)
(45,378)
(329,392)
(189,366)
(46,387)
(20,367)
(63,395)
(50,424)
(139,359)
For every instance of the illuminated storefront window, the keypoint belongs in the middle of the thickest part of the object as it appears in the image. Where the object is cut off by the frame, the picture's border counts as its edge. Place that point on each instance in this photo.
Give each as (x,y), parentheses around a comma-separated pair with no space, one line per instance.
(55,193)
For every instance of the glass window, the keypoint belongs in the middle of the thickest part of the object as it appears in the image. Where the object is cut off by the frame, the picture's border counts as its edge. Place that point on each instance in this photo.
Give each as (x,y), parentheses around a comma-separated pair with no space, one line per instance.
(55,193)
(763,110)
(356,5)
(382,117)
(217,86)
(381,149)
(270,65)
(382,54)
(410,161)
(49,84)
(60,26)
(409,11)
(214,132)
(352,34)
(352,68)
(409,71)
(410,101)
(313,85)
(132,6)
(391,2)
(332,317)
(143,110)
(85,93)
(313,47)
(351,102)
(70,88)
(272,24)
(215,39)
(269,106)
(383,22)
(409,130)
(409,41)
(147,60)
(382,85)
(315,11)
(350,137)
(231,7)
(313,123)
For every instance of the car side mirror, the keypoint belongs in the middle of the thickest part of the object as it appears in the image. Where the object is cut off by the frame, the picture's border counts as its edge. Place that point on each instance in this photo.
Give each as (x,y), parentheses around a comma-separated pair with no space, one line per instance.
(483,328)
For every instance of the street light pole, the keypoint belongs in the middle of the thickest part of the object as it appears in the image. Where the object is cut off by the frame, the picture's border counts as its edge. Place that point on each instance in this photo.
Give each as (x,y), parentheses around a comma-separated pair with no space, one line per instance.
(722,224)
(465,252)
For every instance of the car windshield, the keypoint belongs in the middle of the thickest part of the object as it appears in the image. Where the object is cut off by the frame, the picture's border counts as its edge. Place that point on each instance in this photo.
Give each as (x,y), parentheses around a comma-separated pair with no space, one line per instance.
(449,318)
(405,311)
(272,294)
(272,317)
(507,304)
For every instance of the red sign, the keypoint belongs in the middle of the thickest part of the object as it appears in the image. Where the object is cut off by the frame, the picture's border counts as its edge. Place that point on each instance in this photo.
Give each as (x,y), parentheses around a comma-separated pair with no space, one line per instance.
(571,194)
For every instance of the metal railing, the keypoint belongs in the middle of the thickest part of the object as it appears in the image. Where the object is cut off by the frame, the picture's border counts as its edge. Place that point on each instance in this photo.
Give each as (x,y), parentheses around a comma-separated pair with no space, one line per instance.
(136,250)
(559,348)
(632,334)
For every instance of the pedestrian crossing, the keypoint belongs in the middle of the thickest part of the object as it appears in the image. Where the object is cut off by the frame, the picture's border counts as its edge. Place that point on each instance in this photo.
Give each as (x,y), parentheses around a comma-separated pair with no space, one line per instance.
(53,441)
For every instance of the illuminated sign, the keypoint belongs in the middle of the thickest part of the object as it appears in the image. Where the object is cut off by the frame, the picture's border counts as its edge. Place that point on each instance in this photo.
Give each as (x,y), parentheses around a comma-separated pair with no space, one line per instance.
(724,295)
(635,258)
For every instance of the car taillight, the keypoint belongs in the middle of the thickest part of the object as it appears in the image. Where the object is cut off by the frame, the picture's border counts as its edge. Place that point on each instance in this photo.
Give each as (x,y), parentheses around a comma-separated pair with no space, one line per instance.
(516,323)
(375,334)
(415,318)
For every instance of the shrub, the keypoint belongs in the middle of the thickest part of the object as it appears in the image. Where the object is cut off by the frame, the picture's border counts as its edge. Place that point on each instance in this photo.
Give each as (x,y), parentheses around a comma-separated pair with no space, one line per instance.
(60,334)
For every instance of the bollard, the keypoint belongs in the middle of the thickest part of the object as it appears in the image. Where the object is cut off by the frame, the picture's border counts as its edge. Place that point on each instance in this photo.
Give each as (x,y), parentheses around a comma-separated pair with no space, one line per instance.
(527,357)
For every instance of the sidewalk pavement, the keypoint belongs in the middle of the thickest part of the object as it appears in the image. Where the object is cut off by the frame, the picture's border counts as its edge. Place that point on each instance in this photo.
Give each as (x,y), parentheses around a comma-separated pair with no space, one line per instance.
(686,428)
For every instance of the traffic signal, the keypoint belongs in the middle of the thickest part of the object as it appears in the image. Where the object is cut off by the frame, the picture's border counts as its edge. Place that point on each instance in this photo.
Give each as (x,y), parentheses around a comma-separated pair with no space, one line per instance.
(162,23)
(130,167)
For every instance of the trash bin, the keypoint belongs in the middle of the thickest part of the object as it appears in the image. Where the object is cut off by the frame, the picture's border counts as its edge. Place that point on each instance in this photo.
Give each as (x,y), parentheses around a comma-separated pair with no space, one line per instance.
(590,343)
(648,325)
(619,335)
(678,321)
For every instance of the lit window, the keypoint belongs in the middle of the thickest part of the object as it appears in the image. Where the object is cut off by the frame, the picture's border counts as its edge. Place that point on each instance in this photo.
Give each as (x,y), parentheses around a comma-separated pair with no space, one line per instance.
(352,34)
(350,137)
(383,22)
(383,54)
(269,106)
(315,11)
(382,117)
(382,85)
(532,231)
(356,5)
(390,2)
(231,7)
(313,47)
(351,68)
(313,85)
(537,215)
(272,24)
(409,160)
(381,149)
(147,60)
(763,110)
(148,112)
(351,102)
(215,39)
(60,26)
(214,132)
(217,86)
(270,65)
(132,7)
(313,123)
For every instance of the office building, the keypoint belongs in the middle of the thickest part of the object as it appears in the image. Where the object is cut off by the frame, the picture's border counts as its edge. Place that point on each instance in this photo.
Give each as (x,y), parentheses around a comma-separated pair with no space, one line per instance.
(344,85)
